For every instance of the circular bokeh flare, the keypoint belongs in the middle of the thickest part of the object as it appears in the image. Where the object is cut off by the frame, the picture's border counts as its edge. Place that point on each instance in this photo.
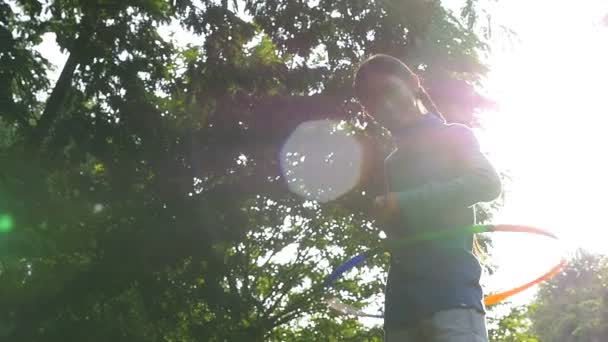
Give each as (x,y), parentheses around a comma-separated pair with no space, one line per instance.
(321,160)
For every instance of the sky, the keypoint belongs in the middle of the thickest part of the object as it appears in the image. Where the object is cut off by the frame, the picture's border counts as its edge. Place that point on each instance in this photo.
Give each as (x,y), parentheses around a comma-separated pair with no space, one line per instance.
(548,132)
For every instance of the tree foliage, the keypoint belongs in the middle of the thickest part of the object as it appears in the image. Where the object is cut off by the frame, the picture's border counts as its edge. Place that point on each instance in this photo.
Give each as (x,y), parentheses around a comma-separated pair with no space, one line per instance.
(515,326)
(573,306)
(143,186)
(570,307)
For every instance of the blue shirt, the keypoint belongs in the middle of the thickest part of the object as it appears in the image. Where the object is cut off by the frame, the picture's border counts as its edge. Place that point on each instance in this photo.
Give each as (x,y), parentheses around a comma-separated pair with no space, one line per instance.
(438,173)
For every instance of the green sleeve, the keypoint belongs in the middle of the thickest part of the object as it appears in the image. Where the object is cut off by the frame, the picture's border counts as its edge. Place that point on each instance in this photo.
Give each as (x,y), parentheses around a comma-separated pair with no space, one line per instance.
(478,180)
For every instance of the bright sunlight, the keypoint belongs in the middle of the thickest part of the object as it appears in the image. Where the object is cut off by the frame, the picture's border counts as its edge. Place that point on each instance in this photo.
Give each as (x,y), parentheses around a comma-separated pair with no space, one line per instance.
(547,134)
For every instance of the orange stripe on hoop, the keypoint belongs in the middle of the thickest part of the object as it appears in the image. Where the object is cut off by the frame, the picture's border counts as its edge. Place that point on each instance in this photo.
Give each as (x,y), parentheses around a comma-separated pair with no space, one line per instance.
(499,297)
(520,229)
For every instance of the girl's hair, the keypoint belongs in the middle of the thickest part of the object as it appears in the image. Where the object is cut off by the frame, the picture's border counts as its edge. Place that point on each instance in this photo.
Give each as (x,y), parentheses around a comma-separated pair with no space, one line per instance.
(389,65)
(478,250)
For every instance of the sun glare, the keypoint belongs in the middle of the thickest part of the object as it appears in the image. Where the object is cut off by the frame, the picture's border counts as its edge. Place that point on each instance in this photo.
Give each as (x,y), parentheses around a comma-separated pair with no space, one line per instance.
(548,133)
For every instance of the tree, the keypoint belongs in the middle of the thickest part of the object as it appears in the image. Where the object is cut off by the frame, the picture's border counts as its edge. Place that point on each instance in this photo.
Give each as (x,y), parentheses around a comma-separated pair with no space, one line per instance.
(572,306)
(144,193)
(515,326)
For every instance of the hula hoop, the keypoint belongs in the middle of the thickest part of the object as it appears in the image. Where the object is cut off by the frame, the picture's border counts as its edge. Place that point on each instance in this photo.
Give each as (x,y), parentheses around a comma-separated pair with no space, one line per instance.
(489,300)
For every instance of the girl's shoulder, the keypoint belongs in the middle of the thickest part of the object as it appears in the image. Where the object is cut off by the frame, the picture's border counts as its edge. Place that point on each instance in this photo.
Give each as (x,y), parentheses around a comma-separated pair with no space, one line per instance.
(458,134)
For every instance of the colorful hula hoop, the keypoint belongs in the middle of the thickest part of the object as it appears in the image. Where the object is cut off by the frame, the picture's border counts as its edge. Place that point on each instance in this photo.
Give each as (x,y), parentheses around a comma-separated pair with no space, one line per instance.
(391,245)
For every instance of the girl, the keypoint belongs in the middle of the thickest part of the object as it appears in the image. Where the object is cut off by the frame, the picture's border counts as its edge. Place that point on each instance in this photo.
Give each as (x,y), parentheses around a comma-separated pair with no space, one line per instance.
(434,177)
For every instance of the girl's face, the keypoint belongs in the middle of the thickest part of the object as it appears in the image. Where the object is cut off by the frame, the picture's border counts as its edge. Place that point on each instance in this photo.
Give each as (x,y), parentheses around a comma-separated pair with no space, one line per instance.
(391,101)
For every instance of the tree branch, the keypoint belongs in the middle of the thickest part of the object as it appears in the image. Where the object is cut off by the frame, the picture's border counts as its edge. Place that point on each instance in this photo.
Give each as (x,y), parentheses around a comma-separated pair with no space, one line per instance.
(60,92)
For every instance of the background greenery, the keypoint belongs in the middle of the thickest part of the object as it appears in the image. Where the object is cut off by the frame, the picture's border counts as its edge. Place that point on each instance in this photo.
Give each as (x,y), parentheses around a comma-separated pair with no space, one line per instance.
(141,197)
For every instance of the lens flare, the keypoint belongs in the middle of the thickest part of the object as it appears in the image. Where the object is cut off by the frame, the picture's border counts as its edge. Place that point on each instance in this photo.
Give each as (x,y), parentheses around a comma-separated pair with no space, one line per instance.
(6,223)
(321,160)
